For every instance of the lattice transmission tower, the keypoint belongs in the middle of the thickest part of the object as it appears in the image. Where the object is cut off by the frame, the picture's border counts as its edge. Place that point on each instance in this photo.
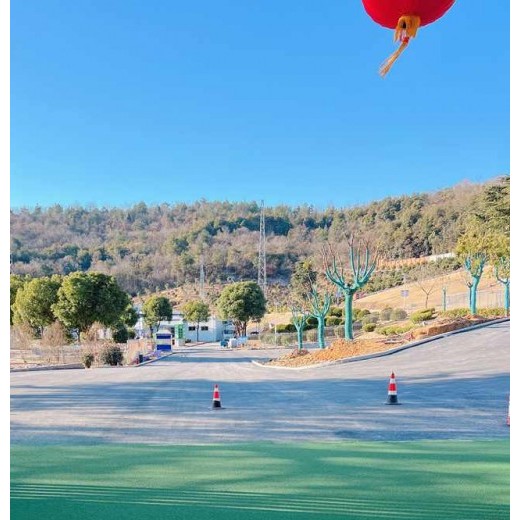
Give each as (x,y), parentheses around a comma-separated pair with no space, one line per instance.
(262,271)
(202,290)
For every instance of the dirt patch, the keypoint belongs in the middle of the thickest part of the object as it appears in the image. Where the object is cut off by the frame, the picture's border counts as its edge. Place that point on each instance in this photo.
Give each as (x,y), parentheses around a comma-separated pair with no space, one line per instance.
(343,349)
(339,349)
(443,325)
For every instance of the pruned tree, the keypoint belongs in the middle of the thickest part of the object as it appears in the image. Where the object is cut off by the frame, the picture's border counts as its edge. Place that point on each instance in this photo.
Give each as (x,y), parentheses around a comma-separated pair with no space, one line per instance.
(319,308)
(362,265)
(299,318)
(474,264)
(503,274)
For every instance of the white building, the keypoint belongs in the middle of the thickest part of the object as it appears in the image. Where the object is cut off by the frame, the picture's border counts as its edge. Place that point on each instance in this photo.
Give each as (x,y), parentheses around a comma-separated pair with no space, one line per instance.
(212,330)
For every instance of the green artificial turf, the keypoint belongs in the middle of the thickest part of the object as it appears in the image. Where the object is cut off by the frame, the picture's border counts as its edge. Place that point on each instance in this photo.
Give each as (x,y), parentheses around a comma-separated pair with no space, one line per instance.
(356,480)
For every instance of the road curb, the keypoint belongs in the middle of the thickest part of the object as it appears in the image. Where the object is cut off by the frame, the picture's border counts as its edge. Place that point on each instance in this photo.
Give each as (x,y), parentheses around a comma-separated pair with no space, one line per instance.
(387,352)
(70,366)
(167,355)
(154,360)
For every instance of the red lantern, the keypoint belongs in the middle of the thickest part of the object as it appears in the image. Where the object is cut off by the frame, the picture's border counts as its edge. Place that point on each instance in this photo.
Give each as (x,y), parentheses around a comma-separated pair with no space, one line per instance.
(405,16)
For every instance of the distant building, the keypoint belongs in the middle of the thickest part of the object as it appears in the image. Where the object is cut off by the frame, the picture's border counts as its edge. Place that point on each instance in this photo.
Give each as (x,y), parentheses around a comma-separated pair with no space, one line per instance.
(212,330)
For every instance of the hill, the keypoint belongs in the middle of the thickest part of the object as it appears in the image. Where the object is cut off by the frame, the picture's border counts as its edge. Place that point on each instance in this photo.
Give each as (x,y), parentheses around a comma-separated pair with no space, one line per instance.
(154,248)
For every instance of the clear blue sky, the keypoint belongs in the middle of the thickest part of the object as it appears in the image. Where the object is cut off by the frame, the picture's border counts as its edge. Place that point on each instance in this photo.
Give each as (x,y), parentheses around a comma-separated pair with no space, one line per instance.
(114,102)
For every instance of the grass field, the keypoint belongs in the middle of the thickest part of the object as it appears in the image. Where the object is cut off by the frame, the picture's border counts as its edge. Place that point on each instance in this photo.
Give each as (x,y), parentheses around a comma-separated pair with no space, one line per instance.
(356,480)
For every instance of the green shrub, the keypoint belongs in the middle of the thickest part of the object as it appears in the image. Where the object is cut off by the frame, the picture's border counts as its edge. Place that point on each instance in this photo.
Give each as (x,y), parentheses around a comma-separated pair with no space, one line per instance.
(332,321)
(386,314)
(288,327)
(120,334)
(336,311)
(424,315)
(359,314)
(392,330)
(398,314)
(311,323)
(492,312)
(456,313)
(370,318)
(87,359)
(131,334)
(369,327)
(111,355)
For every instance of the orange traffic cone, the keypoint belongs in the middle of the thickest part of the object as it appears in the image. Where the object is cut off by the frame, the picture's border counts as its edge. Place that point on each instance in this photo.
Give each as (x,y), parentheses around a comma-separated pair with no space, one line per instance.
(216,398)
(392,391)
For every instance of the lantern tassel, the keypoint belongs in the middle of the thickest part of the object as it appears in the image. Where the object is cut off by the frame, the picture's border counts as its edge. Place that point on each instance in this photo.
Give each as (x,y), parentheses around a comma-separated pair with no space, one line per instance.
(407,28)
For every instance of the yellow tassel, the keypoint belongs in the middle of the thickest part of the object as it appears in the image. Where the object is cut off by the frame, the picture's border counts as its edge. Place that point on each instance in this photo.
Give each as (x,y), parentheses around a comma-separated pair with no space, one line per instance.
(407,28)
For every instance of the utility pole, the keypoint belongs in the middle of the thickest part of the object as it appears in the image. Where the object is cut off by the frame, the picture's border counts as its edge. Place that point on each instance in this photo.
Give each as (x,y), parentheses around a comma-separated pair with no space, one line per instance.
(202,293)
(262,271)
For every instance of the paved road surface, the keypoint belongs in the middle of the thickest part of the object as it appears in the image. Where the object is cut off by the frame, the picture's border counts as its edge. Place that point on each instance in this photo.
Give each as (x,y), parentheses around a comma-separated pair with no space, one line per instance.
(452,388)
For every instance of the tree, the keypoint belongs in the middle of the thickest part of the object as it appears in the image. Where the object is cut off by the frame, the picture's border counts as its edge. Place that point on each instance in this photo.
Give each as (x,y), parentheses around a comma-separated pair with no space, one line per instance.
(85,298)
(34,301)
(119,333)
(196,311)
(492,208)
(17,282)
(502,274)
(474,265)
(129,316)
(241,302)
(487,227)
(361,270)
(319,308)
(303,275)
(156,309)
(486,234)
(427,281)
(299,318)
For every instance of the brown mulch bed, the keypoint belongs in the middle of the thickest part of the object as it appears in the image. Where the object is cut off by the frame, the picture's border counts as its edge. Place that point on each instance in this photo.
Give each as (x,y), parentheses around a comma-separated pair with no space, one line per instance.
(343,349)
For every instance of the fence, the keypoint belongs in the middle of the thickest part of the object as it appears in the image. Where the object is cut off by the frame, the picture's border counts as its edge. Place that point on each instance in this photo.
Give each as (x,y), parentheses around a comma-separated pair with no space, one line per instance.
(289,339)
(33,353)
(485,300)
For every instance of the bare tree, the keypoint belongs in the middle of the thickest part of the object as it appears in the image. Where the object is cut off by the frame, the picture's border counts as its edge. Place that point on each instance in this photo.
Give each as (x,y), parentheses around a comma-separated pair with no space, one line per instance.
(54,339)
(427,282)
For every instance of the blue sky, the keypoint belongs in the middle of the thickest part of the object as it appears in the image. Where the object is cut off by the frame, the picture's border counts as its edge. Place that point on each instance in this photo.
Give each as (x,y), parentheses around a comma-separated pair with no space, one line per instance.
(114,102)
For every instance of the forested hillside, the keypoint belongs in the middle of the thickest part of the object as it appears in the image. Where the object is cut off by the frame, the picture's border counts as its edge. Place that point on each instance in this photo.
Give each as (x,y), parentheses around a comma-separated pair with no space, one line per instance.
(149,248)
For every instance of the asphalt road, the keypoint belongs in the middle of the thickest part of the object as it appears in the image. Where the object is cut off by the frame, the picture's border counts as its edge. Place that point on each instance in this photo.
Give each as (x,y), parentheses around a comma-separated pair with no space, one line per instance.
(452,388)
